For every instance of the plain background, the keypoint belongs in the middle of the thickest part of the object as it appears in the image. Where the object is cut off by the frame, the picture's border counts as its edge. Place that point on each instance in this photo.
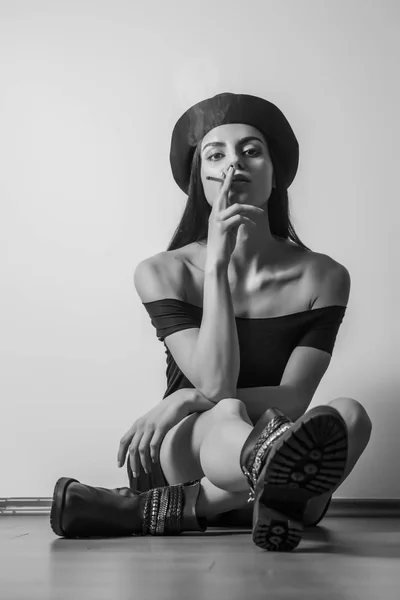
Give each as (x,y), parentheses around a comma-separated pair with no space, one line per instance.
(90,93)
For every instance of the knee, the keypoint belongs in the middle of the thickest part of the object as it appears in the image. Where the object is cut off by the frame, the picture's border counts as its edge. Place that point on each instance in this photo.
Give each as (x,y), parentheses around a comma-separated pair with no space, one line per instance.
(229,405)
(355,415)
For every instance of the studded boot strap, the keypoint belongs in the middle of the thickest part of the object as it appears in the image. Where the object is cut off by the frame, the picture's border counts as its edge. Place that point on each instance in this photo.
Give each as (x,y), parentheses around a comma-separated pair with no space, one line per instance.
(163,510)
(273,431)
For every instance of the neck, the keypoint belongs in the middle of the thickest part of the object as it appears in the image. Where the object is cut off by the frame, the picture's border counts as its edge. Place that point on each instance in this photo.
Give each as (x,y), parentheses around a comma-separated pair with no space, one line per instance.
(256,249)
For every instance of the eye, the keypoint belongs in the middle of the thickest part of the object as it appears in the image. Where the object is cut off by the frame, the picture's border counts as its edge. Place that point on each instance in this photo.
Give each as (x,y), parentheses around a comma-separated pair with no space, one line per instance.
(257,153)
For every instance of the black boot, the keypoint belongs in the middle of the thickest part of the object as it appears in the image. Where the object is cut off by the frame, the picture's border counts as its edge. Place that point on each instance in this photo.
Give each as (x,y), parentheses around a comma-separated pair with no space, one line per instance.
(286,464)
(80,510)
(124,491)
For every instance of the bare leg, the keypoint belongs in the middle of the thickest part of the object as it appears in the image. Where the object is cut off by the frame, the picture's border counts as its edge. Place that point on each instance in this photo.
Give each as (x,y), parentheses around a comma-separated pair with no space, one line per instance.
(208,444)
(359,431)
(214,501)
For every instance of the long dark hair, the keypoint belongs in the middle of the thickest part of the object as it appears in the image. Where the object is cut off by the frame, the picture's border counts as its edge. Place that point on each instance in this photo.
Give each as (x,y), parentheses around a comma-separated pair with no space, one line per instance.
(193,226)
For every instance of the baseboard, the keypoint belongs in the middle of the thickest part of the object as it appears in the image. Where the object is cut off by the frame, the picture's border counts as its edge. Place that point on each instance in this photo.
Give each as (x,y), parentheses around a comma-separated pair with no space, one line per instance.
(364,507)
(340,507)
(26,505)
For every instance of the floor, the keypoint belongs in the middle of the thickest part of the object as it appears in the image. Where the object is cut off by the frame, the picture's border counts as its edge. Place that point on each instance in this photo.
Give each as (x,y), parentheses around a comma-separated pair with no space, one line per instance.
(349,558)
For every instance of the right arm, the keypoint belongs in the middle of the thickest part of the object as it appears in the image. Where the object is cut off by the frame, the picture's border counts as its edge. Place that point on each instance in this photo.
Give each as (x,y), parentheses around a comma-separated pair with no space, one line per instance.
(208,356)
(215,356)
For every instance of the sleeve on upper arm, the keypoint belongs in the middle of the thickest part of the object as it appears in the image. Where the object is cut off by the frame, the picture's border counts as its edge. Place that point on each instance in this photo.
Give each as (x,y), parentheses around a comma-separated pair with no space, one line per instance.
(170,315)
(322,331)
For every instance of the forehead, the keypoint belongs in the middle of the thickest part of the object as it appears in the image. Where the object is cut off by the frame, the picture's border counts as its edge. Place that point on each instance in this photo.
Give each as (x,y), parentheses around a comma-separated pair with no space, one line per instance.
(231,132)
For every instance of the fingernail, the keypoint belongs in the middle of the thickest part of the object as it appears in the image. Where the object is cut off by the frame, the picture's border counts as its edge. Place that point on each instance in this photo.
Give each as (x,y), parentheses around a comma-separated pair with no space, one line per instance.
(134,474)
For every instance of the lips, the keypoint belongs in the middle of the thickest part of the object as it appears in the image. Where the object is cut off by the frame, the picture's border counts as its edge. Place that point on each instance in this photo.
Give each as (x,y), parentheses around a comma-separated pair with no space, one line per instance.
(241,178)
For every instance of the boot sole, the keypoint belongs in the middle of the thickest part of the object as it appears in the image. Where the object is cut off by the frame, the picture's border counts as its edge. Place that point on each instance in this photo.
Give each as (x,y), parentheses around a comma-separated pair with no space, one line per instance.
(58,504)
(306,461)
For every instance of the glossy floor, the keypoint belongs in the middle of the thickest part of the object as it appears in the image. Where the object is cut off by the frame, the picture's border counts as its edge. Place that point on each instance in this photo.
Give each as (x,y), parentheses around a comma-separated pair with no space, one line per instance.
(355,558)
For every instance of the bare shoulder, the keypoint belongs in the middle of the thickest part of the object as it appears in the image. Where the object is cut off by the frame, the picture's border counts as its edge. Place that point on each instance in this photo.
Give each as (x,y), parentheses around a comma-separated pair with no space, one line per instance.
(324,266)
(331,279)
(160,276)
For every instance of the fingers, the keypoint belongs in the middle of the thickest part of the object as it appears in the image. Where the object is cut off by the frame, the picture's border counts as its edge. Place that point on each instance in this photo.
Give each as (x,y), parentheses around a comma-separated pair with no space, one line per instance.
(139,452)
(123,447)
(222,199)
(155,445)
(144,450)
(254,211)
(238,220)
(133,454)
(140,446)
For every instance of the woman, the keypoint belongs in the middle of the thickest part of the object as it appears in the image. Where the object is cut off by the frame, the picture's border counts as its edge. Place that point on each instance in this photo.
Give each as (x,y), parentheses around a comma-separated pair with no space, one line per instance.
(249,317)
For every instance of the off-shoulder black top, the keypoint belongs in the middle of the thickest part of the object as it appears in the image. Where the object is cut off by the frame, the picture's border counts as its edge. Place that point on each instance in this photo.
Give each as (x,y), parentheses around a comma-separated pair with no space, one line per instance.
(265,344)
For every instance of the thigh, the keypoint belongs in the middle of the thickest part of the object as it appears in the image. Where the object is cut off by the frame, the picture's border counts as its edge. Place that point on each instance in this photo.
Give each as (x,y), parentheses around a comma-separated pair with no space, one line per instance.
(357,420)
(179,452)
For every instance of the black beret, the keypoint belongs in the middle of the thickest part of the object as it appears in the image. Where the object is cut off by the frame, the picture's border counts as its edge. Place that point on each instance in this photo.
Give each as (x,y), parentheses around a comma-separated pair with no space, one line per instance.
(225,108)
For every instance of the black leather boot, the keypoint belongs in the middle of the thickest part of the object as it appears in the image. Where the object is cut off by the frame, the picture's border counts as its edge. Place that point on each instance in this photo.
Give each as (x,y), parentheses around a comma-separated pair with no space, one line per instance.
(321,516)
(286,464)
(80,510)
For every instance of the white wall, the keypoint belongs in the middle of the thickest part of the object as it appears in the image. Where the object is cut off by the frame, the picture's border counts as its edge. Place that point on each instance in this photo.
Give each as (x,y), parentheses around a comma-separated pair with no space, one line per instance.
(90,92)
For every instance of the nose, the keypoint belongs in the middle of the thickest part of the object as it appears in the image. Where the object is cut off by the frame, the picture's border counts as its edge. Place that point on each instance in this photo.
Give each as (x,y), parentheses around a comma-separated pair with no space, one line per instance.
(236,165)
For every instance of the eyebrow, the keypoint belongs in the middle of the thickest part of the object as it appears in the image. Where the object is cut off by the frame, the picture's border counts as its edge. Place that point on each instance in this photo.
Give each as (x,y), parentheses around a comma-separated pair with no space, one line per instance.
(245,139)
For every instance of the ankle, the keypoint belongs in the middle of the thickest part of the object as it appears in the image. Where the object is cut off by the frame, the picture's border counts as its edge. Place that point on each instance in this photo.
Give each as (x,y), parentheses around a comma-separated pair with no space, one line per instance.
(213,501)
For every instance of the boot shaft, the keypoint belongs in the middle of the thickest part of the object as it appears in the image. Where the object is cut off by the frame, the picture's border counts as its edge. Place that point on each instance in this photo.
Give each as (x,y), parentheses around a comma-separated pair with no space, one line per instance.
(171,509)
(269,428)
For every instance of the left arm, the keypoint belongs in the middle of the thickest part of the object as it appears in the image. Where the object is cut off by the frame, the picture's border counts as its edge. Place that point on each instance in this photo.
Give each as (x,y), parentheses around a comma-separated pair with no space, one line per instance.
(307,365)
(257,399)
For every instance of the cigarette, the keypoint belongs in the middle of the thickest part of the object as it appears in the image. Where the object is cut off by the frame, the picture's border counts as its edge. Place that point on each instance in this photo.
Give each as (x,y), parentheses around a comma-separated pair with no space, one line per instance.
(215,179)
